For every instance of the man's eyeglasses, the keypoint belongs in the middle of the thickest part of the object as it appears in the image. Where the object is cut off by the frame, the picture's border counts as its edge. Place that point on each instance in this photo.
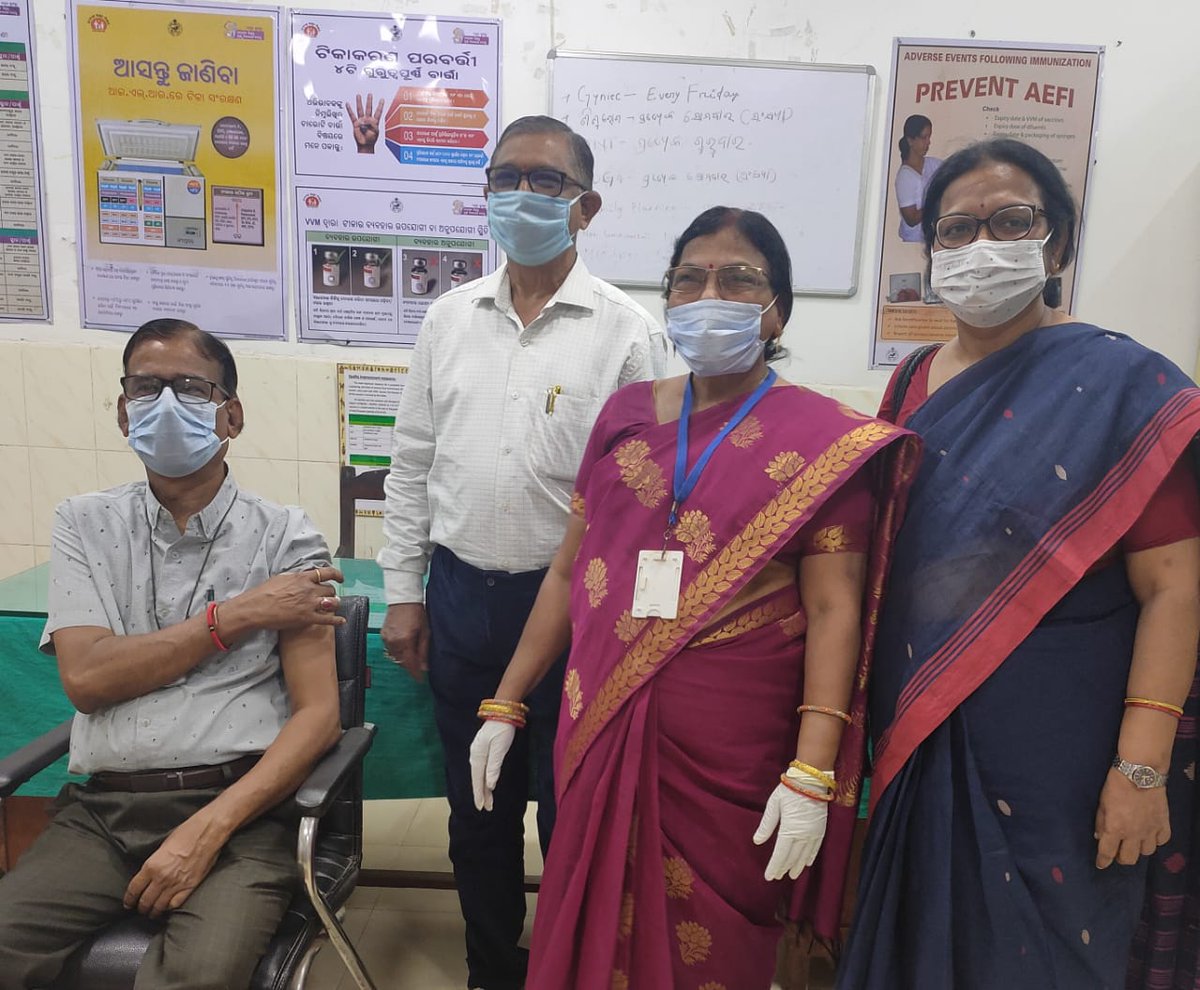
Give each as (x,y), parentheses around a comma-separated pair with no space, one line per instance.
(192,391)
(733,281)
(1010,223)
(547,181)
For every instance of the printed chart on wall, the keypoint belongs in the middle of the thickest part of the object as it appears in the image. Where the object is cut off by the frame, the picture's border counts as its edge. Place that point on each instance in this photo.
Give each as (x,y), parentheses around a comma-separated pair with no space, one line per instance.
(368,395)
(177,126)
(394,118)
(24,274)
(946,95)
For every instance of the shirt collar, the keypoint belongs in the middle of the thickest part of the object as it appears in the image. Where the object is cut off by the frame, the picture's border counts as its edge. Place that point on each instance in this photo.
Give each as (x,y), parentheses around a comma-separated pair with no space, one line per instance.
(576,290)
(208,518)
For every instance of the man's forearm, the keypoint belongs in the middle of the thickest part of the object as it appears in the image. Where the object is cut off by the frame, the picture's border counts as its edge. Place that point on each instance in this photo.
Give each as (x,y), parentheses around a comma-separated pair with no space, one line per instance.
(114,668)
(303,740)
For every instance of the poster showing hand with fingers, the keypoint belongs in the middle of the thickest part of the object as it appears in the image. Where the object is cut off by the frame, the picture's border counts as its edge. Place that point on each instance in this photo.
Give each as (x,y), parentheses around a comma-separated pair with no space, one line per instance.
(394,96)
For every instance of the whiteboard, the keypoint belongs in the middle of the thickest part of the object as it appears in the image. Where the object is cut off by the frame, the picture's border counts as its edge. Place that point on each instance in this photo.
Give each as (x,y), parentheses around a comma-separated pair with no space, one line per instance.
(674,136)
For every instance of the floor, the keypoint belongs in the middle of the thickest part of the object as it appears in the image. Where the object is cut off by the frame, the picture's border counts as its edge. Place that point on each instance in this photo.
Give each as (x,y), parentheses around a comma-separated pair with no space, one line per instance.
(413,939)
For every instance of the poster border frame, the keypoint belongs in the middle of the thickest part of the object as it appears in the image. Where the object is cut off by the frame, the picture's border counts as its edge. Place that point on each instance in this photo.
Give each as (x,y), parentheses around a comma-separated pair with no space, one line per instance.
(39,175)
(890,111)
(342,368)
(274,11)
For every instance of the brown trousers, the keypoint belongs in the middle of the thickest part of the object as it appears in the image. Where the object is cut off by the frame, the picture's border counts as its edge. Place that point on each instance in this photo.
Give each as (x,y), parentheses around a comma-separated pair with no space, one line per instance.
(70,883)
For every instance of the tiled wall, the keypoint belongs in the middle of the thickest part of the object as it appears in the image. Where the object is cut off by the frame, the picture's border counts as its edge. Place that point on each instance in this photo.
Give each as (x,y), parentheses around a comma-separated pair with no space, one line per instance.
(58,407)
(60,438)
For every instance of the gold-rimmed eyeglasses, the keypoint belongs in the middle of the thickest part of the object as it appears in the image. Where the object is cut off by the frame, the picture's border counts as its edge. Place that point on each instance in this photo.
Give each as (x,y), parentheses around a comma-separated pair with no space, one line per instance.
(733,281)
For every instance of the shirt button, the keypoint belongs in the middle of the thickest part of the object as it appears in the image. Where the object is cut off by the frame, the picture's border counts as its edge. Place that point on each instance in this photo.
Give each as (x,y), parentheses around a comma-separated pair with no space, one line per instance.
(508,450)
(516,395)
(491,582)
(524,342)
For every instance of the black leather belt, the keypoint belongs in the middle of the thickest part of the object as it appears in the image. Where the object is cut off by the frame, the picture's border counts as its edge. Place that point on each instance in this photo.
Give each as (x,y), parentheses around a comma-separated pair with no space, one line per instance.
(187,778)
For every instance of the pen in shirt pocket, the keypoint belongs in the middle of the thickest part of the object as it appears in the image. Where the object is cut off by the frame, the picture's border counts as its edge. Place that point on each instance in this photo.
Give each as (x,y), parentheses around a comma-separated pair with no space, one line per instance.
(552,393)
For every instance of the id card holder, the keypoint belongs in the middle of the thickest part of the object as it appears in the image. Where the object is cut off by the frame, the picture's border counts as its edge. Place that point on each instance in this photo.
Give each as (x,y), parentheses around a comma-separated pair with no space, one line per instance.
(656,590)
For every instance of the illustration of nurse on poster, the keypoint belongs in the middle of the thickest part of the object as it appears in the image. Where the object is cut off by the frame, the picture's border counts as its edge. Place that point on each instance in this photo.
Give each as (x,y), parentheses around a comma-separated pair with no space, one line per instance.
(178,182)
(945,96)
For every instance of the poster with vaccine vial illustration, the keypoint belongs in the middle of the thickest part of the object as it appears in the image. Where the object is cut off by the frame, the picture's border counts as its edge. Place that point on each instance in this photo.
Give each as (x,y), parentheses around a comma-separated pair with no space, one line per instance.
(394,119)
(371,261)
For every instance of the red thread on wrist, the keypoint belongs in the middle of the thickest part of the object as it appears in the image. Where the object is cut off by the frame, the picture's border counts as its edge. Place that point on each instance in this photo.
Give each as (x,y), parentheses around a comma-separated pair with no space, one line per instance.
(210,615)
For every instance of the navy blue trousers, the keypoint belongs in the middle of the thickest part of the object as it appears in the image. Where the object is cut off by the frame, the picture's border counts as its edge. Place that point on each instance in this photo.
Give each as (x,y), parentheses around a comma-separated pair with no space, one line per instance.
(475,619)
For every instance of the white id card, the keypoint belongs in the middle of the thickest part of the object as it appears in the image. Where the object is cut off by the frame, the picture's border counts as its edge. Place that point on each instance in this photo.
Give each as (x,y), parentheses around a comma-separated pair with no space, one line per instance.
(656,591)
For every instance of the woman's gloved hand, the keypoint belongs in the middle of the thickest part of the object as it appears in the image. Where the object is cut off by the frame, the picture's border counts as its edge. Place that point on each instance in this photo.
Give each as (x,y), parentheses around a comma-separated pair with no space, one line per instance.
(488,749)
(801,825)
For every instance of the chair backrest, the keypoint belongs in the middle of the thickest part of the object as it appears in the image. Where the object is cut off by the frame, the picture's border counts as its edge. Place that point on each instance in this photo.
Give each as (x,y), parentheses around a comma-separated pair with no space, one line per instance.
(345,817)
(352,486)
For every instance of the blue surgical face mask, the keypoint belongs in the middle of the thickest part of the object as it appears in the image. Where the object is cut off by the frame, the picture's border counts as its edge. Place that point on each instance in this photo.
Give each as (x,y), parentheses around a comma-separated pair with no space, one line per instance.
(531,228)
(717,336)
(173,438)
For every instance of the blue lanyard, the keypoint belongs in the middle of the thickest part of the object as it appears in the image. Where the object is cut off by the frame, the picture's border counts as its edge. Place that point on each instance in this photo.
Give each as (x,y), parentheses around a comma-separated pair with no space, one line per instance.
(686,480)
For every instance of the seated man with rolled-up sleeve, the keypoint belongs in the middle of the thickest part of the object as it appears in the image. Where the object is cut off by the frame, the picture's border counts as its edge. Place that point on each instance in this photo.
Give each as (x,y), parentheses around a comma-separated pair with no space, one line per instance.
(193,627)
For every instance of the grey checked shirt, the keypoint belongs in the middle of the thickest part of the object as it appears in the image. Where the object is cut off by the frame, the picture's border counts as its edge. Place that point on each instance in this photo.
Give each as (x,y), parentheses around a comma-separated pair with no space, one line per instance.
(119,561)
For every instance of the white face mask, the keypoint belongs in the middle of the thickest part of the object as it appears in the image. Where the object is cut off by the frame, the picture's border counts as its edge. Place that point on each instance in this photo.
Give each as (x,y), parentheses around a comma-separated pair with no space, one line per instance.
(986,283)
(717,336)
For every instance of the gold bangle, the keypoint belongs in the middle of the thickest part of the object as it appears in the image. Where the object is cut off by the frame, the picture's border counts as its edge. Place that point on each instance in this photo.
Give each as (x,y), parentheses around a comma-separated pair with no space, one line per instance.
(1151,703)
(822,710)
(504,703)
(824,776)
(508,719)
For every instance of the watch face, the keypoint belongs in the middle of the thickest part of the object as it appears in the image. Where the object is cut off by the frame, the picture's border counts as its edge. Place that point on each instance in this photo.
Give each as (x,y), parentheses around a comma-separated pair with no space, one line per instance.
(1144,776)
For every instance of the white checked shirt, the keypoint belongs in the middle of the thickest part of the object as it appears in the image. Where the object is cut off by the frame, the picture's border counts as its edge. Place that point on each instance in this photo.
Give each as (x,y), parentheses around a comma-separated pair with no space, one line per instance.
(482,463)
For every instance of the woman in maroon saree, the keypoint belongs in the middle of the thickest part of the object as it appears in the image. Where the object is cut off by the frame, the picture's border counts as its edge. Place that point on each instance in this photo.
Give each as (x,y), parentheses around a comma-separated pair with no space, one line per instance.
(675,728)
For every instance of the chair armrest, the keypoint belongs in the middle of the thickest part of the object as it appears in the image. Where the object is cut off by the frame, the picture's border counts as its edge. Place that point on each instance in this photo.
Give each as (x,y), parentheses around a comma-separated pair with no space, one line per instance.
(33,758)
(320,788)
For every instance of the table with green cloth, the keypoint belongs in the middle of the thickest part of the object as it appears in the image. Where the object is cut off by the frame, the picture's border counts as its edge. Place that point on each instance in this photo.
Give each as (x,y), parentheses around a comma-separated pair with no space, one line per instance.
(404,762)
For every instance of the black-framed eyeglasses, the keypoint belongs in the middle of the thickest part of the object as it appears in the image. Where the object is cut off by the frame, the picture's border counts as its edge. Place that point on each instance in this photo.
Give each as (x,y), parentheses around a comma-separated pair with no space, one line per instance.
(193,391)
(547,181)
(733,281)
(1009,223)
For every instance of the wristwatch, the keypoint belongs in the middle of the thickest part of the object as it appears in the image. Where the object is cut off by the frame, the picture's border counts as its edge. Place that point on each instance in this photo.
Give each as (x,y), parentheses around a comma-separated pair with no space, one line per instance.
(1143,777)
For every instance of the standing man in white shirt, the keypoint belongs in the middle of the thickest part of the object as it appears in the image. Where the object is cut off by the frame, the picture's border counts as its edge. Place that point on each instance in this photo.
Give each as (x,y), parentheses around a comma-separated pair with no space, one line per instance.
(508,375)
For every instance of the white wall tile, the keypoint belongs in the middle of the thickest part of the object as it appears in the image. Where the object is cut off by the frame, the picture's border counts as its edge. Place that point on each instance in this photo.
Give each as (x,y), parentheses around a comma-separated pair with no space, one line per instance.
(117,467)
(320,498)
(58,396)
(274,480)
(16,496)
(106,388)
(317,410)
(267,387)
(15,558)
(56,474)
(12,394)
(41,555)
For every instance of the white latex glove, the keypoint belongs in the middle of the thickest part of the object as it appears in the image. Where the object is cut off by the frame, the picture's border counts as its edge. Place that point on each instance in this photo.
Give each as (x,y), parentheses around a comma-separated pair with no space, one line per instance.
(488,749)
(801,822)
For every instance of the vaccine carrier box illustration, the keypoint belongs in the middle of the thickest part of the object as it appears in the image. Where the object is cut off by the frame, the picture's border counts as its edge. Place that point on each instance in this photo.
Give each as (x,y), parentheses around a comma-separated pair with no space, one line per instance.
(151,192)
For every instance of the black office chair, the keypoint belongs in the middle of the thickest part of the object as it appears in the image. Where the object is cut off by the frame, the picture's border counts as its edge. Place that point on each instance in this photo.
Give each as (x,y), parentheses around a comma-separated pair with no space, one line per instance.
(328,851)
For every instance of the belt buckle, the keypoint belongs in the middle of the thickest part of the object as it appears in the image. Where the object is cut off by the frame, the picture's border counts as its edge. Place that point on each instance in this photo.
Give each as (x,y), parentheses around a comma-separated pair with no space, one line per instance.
(178,775)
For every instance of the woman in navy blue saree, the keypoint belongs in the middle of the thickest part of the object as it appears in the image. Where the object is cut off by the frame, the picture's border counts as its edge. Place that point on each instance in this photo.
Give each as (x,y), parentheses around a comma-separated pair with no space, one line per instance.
(1041,619)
